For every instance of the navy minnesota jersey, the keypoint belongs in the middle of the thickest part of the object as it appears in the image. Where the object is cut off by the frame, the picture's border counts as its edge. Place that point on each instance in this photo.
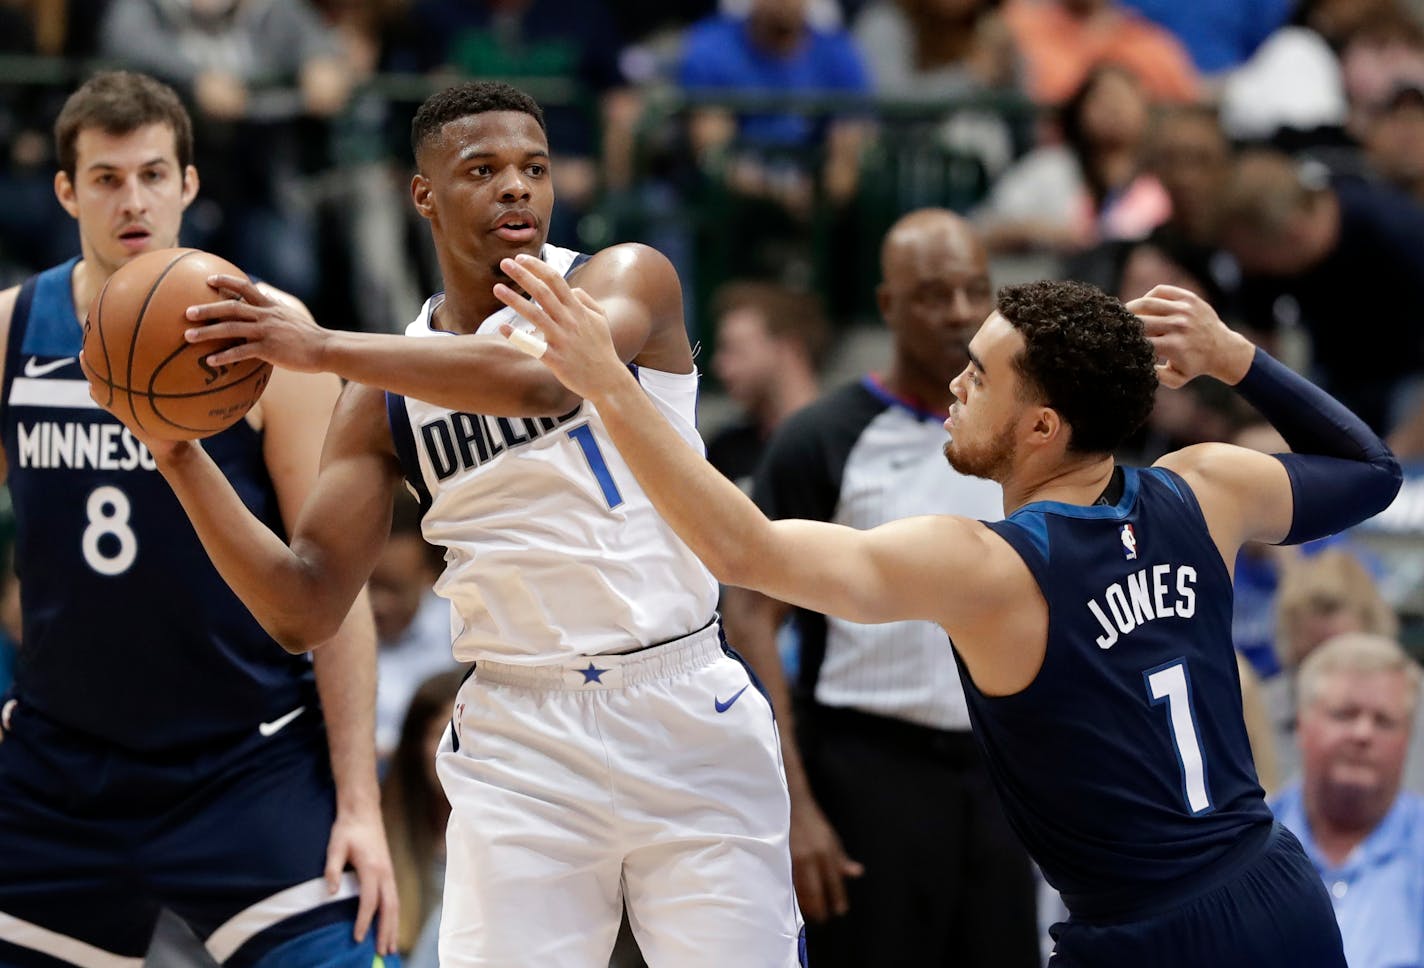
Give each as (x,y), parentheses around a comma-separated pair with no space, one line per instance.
(1125,766)
(130,634)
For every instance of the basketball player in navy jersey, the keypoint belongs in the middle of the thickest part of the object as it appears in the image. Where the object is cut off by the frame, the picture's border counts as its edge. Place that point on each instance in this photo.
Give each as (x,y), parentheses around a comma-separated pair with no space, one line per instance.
(159,749)
(607,747)
(1093,625)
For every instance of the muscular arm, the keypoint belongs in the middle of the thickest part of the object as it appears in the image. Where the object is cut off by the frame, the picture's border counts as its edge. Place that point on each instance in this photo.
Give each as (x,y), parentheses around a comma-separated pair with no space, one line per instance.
(302,593)
(476,374)
(1339,473)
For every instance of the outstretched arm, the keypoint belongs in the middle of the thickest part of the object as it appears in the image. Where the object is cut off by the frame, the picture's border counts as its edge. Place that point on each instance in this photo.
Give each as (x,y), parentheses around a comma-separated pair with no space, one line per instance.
(864,576)
(470,373)
(1339,474)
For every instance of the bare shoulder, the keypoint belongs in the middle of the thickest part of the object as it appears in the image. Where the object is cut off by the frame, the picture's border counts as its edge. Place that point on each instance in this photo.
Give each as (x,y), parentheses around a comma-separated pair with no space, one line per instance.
(1244,494)
(1216,465)
(639,287)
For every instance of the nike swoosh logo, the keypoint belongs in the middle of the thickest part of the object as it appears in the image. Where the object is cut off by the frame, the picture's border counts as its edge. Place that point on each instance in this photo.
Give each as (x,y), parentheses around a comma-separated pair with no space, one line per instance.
(267,729)
(34,369)
(722,707)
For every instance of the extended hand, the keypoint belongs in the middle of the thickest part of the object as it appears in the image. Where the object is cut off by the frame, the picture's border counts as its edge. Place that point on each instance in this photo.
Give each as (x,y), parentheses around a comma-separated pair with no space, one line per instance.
(1190,338)
(359,840)
(578,346)
(161,450)
(271,328)
(819,865)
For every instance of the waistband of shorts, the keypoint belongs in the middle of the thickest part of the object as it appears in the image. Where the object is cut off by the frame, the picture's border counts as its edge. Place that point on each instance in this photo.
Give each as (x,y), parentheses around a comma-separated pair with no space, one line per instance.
(1145,901)
(587,673)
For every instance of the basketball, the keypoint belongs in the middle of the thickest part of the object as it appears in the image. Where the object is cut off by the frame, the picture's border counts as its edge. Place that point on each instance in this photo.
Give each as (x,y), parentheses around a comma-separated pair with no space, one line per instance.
(138,363)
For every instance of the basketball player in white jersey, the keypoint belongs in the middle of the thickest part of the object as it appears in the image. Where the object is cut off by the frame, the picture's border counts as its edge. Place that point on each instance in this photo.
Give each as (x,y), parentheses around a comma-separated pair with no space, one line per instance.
(608,746)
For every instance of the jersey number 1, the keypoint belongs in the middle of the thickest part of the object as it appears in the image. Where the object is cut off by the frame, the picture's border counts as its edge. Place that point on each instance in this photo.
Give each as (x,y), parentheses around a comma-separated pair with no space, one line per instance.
(583,436)
(1169,684)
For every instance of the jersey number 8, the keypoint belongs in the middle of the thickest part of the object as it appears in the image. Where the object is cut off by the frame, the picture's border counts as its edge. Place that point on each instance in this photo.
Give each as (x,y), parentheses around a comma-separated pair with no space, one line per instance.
(108,510)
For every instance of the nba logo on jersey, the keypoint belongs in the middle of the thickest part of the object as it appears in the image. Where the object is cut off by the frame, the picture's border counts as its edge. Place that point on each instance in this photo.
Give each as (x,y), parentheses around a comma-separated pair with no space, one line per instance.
(1129,543)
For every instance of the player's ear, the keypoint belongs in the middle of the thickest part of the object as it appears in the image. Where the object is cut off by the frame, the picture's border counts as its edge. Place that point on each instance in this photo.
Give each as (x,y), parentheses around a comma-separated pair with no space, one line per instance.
(1048,425)
(64,191)
(190,185)
(422,195)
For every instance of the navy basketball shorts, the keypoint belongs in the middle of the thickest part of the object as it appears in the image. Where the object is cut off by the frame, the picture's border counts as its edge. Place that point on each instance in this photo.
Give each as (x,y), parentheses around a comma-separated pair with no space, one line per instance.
(1272,912)
(94,840)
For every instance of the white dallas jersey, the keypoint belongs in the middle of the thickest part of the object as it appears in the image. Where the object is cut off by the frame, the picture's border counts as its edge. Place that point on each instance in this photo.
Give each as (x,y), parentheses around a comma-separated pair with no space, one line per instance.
(552,548)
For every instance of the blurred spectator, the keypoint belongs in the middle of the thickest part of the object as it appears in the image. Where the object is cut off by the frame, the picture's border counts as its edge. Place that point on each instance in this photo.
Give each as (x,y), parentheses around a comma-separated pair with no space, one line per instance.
(770,343)
(1320,596)
(33,231)
(1351,255)
(1062,41)
(255,69)
(1394,139)
(412,622)
(1219,34)
(900,849)
(1325,595)
(946,50)
(1385,52)
(1293,88)
(1191,157)
(1091,187)
(414,807)
(363,192)
(775,50)
(1358,697)
(571,47)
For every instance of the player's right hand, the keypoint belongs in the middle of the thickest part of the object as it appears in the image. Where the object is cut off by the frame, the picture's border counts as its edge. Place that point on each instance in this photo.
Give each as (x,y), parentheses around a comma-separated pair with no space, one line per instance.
(1190,338)
(819,865)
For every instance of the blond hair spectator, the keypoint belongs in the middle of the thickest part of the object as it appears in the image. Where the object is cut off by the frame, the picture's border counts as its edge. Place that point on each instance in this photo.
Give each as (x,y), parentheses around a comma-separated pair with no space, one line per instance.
(1358,694)
(1324,595)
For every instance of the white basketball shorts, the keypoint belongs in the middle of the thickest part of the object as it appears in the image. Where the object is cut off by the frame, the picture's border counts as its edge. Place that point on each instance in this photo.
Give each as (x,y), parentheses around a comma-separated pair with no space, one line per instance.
(654,778)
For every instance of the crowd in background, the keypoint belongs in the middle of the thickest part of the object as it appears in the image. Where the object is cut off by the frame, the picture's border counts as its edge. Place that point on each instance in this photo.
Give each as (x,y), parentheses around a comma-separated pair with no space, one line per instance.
(1268,155)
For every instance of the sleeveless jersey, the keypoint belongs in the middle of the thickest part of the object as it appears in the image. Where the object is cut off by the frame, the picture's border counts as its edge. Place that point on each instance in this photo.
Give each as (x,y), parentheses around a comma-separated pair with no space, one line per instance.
(1124,766)
(130,634)
(552,549)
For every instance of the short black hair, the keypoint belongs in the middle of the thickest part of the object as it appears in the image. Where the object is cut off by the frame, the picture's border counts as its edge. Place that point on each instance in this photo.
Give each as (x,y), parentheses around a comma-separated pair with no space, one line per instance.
(1085,356)
(463,100)
(119,103)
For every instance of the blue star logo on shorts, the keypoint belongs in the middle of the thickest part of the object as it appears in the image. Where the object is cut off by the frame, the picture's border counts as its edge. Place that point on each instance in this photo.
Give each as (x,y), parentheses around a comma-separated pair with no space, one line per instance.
(592,673)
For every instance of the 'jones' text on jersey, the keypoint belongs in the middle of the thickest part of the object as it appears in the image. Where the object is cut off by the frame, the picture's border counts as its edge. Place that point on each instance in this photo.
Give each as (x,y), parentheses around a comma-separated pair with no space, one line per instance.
(1146,598)
(465,440)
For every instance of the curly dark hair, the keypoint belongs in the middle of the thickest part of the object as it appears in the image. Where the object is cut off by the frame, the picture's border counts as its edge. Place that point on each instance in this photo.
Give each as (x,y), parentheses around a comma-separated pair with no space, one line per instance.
(463,100)
(1085,356)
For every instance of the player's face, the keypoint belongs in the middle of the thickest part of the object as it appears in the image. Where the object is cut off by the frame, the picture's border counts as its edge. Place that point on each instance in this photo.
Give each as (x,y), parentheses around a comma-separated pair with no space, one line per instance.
(128,192)
(489,194)
(1354,736)
(934,296)
(986,410)
(745,361)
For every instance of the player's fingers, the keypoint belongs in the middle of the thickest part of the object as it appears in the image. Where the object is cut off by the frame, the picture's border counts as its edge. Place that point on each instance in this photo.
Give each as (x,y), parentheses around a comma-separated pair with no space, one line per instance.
(1169,376)
(588,302)
(539,280)
(366,908)
(525,307)
(806,876)
(836,899)
(388,919)
(233,354)
(223,309)
(243,287)
(218,331)
(1155,306)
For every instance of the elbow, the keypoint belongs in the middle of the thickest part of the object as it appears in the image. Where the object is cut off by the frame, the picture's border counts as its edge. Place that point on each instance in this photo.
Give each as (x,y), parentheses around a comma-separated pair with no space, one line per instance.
(301,634)
(1390,478)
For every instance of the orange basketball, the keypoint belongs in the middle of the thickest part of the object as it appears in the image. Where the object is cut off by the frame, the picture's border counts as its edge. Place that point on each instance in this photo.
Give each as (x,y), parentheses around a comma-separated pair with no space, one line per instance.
(139,364)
